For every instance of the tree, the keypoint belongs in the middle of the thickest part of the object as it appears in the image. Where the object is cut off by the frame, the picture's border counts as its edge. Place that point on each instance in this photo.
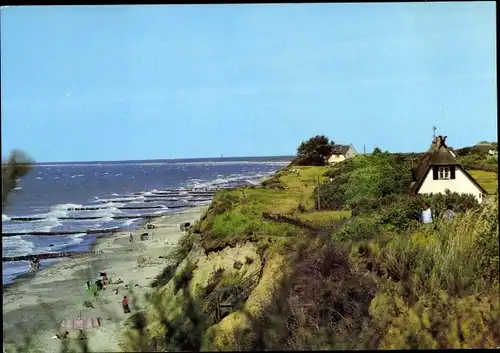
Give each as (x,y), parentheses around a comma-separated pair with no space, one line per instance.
(377,150)
(314,151)
(17,166)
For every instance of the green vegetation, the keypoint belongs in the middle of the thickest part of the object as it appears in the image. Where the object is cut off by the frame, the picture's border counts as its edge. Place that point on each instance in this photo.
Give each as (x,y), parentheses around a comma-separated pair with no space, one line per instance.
(344,264)
(488,180)
(478,157)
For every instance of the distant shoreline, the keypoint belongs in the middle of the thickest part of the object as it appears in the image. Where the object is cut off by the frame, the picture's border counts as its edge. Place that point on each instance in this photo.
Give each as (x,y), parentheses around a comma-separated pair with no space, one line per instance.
(261,159)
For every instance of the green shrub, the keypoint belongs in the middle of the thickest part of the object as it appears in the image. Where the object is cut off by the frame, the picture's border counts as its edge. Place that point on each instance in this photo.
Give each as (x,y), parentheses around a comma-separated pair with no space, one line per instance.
(402,213)
(331,195)
(367,205)
(358,229)
(458,202)
(356,180)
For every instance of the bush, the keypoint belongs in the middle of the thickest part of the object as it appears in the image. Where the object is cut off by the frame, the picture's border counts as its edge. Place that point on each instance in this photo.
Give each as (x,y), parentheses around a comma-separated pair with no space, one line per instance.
(458,202)
(368,205)
(272,183)
(402,213)
(358,229)
(366,177)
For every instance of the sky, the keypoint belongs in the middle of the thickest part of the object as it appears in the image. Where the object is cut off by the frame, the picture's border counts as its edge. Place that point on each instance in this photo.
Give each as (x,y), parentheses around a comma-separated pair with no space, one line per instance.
(98,83)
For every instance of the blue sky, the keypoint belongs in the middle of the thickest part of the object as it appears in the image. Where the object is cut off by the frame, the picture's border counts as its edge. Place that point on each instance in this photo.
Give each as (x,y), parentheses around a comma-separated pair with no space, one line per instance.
(85,83)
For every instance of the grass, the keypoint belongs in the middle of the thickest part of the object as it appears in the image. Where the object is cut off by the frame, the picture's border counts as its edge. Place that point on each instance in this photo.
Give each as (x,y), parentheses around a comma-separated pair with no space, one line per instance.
(323,217)
(237,216)
(301,186)
(488,180)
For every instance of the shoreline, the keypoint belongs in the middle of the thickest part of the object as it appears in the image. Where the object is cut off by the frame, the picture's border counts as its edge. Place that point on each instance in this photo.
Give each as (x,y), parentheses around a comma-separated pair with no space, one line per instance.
(94,244)
(36,303)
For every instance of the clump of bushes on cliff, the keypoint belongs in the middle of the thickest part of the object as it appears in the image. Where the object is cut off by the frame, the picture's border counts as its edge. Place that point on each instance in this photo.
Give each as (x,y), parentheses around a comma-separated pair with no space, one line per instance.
(364,177)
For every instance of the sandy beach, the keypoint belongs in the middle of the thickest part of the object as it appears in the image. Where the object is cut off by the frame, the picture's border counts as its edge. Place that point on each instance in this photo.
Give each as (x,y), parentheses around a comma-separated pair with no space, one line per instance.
(35,307)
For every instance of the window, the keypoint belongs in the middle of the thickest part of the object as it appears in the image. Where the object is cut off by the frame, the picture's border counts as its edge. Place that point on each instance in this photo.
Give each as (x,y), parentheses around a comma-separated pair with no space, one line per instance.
(444,173)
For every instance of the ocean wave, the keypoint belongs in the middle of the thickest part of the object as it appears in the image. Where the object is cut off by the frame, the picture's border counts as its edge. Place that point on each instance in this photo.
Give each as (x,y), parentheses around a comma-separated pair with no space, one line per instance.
(27,245)
(118,199)
(229,181)
(42,225)
(16,246)
(129,222)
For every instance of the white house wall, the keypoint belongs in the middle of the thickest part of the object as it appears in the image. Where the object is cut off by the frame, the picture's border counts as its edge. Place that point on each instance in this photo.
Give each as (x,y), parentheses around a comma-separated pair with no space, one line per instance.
(351,152)
(461,184)
(336,159)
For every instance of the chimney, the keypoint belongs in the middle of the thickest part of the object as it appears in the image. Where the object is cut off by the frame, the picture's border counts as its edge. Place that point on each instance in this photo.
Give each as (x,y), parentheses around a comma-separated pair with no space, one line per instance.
(441,141)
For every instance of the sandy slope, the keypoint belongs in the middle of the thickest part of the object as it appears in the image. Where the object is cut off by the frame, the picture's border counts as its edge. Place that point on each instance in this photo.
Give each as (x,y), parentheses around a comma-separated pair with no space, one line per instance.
(39,304)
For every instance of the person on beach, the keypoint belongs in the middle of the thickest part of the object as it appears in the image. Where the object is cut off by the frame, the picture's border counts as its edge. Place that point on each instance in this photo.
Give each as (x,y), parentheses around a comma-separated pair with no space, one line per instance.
(35,264)
(131,238)
(126,308)
(104,278)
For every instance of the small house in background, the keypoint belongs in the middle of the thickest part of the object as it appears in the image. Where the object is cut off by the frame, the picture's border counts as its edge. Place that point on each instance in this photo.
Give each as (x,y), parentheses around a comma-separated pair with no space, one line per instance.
(439,170)
(341,153)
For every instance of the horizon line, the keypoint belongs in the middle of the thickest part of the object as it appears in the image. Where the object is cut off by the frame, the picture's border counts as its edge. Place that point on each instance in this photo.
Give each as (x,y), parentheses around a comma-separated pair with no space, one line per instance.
(168,159)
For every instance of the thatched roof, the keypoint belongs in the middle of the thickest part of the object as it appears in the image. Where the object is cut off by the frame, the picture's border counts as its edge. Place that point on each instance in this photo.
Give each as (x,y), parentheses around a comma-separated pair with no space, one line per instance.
(340,150)
(438,154)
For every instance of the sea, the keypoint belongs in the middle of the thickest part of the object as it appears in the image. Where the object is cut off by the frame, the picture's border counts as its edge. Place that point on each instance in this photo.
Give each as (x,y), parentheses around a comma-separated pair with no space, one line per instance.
(96,197)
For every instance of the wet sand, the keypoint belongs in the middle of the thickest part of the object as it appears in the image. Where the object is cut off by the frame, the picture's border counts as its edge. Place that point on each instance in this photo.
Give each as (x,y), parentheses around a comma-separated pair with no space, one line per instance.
(34,306)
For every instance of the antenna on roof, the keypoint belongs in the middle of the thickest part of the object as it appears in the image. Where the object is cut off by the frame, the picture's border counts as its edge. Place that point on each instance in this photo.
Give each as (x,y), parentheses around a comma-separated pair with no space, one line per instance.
(433,133)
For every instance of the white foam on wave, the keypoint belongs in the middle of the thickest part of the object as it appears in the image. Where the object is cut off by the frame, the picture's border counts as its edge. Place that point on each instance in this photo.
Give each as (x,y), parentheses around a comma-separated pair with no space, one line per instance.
(5,217)
(77,176)
(21,245)
(119,199)
(16,246)
(38,178)
(152,192)
(229,180)
(253,182)
(129,222)
(68,241)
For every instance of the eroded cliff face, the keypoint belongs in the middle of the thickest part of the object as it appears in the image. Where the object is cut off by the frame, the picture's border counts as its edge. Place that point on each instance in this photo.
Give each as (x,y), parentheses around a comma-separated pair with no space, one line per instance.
(188,303)
(237,331)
